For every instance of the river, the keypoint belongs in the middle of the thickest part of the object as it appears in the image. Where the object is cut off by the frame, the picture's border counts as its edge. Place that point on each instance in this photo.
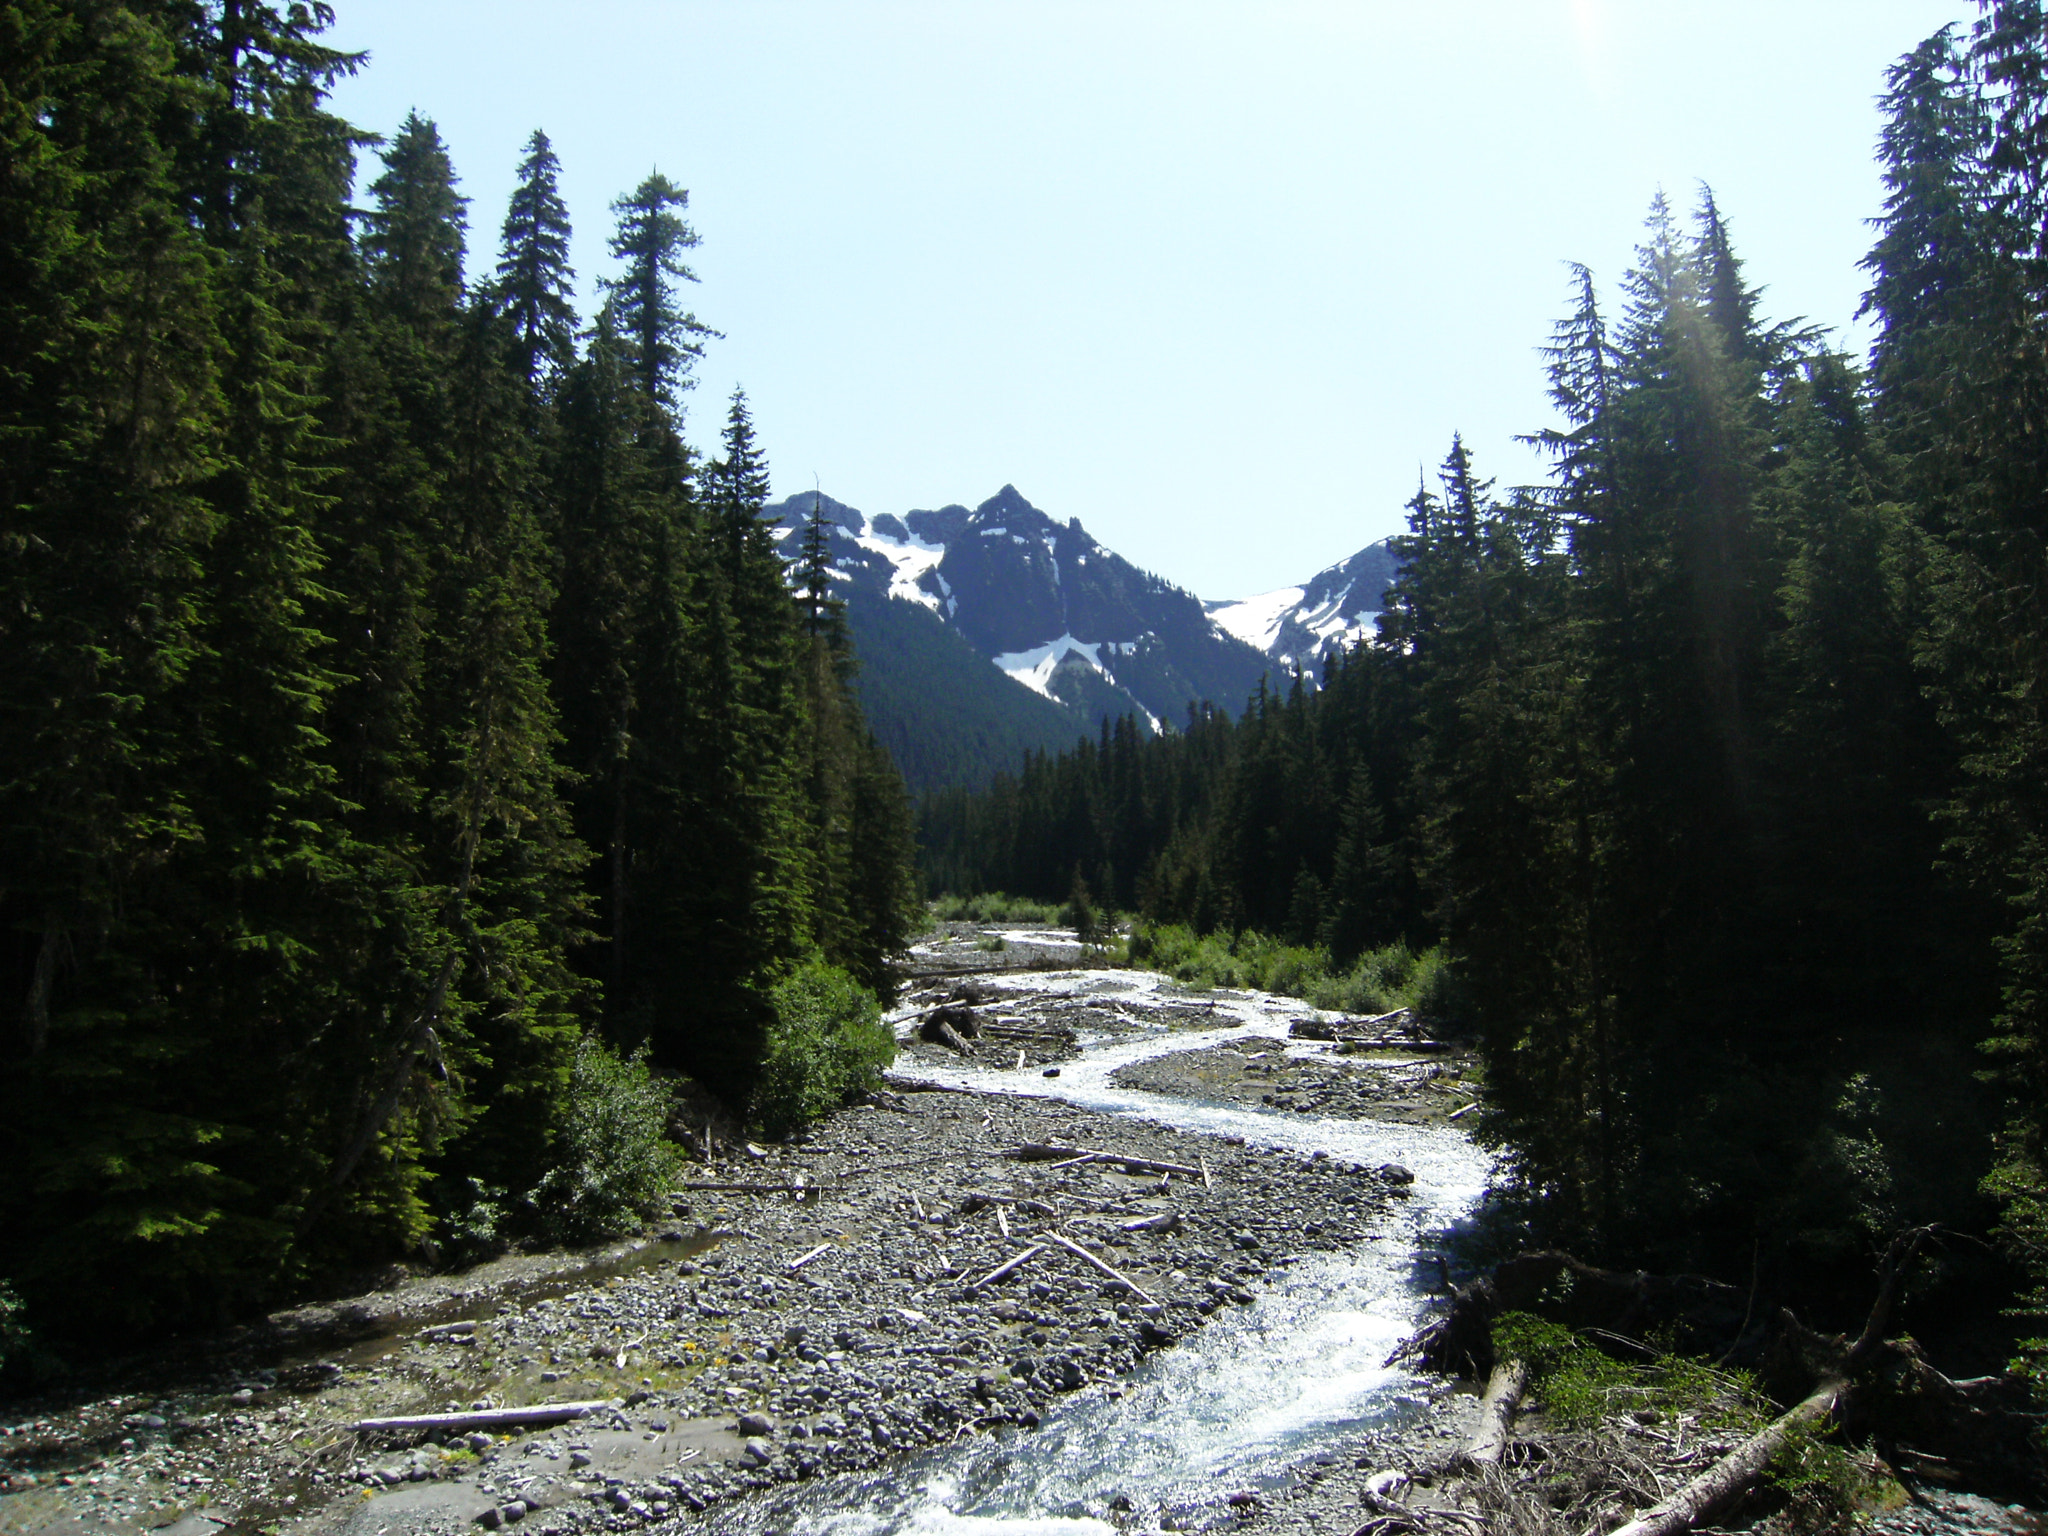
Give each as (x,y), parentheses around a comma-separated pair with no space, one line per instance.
(1235,1406)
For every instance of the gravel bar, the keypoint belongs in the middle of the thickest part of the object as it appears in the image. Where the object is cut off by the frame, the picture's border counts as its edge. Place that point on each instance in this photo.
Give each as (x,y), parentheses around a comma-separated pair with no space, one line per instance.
(763,1339)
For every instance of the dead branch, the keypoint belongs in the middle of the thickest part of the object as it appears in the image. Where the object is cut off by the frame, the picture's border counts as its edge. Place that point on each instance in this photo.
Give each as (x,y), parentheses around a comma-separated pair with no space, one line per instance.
(483,1418)
(1125,1281)
(1010,1268)
(1033,1151)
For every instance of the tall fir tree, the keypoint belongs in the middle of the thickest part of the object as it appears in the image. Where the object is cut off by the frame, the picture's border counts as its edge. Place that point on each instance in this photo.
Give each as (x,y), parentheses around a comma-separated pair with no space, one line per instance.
(536,286)
(660,340)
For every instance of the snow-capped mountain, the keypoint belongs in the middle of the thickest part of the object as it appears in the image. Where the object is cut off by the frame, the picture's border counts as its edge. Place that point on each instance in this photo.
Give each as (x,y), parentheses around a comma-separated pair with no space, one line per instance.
(1048,606)
(1298,626)
(985,633)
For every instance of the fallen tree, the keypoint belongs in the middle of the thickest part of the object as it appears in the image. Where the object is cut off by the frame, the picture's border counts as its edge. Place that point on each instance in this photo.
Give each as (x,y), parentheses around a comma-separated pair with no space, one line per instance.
(1875,1388)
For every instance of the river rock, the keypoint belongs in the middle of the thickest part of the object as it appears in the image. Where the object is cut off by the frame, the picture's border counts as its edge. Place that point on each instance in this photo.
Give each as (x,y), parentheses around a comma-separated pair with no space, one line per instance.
(756,1424)
(758,1451)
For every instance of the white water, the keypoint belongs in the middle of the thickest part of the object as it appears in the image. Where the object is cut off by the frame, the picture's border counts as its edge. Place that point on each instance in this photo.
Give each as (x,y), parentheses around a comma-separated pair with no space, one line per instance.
(1238,1402)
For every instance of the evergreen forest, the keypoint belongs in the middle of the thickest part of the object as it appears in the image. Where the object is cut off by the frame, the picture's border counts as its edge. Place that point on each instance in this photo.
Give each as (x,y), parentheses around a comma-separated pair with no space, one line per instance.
(1717,764)
(406,738)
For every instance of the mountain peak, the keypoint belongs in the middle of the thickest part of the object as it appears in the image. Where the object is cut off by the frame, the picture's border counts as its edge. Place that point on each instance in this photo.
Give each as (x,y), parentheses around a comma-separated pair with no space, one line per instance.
(1006,501)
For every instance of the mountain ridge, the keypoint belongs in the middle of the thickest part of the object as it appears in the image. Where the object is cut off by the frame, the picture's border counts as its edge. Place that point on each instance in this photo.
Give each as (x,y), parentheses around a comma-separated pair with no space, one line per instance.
(1064,633)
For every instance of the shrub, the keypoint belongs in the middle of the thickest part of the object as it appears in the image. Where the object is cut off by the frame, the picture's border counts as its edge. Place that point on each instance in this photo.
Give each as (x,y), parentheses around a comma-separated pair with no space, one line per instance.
(15,1338)
(1580,1385)
(826,1045)
(1079,912)
(994,907)
(1382,980)
(616,1165)
(474,1229)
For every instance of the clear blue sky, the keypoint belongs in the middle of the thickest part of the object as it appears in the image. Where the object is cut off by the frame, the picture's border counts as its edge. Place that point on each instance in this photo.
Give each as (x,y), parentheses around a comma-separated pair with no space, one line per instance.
(1214,278)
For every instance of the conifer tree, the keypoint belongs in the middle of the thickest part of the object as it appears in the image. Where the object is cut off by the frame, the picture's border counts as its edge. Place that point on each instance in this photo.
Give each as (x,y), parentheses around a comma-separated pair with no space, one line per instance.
(535,283)
(660,341)
(413,234)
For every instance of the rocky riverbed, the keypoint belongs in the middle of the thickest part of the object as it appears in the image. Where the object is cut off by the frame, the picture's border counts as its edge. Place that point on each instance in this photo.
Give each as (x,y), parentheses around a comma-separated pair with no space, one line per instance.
(1314,1080)
(826,1319)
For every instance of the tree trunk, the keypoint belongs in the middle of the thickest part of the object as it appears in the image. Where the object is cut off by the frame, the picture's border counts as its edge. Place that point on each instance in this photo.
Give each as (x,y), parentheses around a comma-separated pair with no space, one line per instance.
(1735,1474)
(1504,1391)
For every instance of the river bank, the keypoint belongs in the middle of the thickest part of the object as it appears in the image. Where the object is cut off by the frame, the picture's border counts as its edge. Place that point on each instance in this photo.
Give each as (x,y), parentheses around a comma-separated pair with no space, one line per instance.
(766,1337)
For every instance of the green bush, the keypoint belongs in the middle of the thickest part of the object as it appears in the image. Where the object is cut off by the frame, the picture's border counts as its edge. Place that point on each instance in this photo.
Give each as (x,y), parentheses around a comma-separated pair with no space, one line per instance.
(1381,981)
(827,1044)
(1079,913)
(15,1339)
(1580,1385)
(994,907)
(475,1229)
(616,1165)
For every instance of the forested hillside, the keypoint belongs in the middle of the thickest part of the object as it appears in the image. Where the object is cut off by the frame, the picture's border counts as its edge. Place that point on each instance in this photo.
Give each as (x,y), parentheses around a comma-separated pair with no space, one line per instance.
(1716,762)
(392,698)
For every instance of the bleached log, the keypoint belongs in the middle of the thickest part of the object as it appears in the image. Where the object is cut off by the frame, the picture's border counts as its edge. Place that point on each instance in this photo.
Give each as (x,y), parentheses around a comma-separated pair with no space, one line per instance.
(483,1418)
(1010,1268)
(1033,1151)
(1504,1389)
(1124,1280)
(1165,1221)
(1733,1475)
(802,1259)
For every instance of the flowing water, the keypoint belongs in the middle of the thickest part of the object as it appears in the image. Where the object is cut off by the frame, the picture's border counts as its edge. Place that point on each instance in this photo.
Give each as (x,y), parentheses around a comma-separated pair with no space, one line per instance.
(1230,1408)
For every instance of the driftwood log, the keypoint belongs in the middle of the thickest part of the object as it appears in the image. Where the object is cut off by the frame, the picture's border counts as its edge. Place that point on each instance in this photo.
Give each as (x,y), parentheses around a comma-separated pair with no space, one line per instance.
(1010,1268)
(1034,1152)
(953,1025)
(1877,1387)
(1735,1474)
(1108,1269)
(483,1418)
(1398,1030)
(1504,1389)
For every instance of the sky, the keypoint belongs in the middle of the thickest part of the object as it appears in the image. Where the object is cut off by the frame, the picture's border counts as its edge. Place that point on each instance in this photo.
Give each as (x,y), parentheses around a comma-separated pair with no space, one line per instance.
(1219,279)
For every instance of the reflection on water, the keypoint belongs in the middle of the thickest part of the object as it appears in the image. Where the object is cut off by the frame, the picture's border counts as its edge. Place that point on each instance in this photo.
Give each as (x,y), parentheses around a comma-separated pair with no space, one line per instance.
(1232,1406)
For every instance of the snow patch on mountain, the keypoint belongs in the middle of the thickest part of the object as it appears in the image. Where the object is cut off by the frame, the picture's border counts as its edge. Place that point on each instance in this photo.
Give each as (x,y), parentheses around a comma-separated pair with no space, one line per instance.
(911,557)
(1300,626)
(1257,620)
(1034,668)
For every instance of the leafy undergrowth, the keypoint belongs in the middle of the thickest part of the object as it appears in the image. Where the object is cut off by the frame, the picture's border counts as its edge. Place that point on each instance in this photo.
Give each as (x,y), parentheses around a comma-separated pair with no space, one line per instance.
(994,907)
(1379,981)
(1618,1435)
